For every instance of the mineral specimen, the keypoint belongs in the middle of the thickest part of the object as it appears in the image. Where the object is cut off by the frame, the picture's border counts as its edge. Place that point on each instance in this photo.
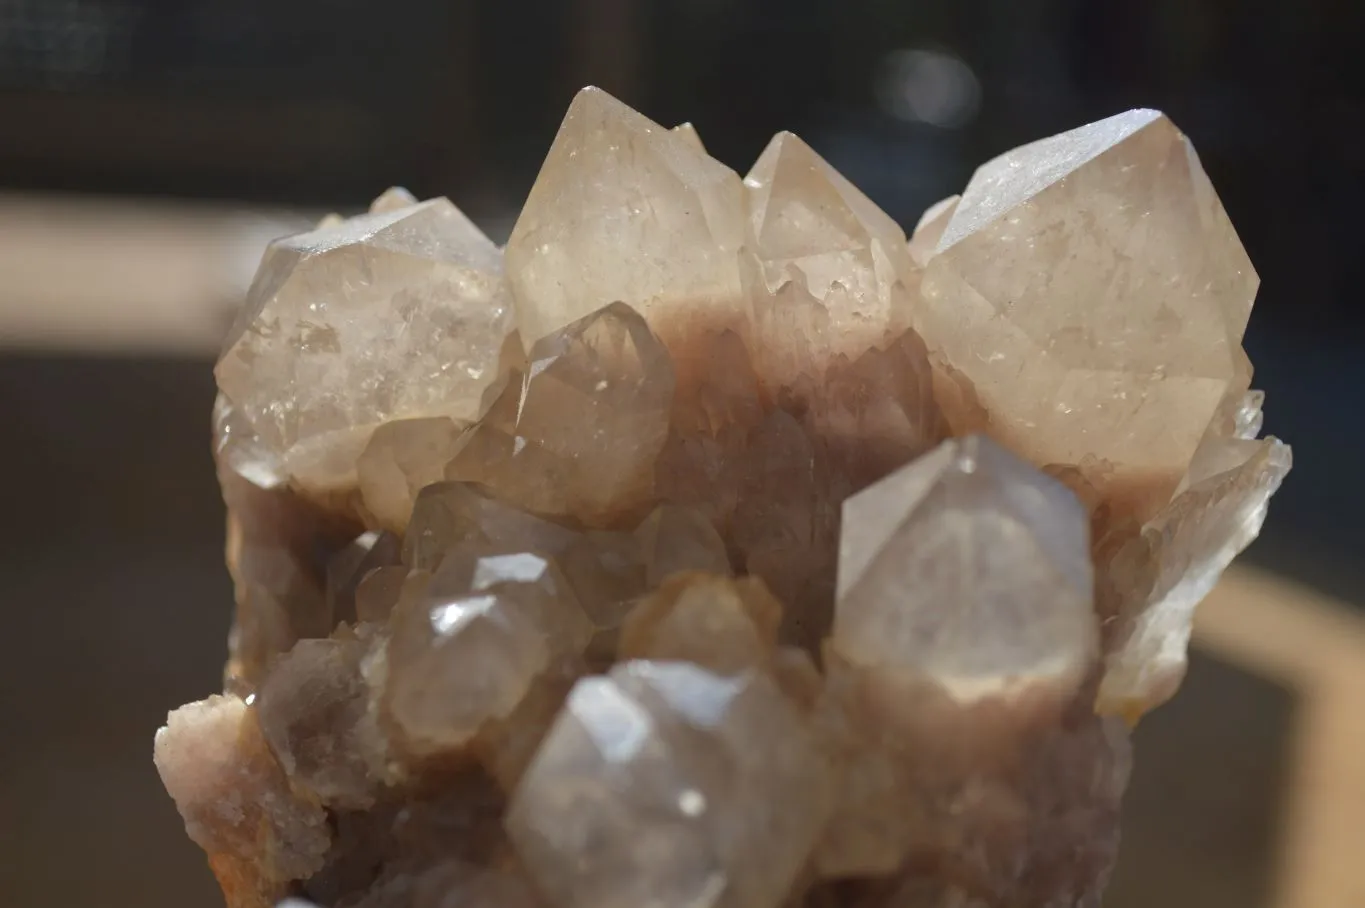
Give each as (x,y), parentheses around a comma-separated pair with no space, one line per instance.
(719,546)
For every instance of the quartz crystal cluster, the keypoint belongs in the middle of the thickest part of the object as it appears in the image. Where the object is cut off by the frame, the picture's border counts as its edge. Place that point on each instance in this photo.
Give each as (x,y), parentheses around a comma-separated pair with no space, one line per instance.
(714,544)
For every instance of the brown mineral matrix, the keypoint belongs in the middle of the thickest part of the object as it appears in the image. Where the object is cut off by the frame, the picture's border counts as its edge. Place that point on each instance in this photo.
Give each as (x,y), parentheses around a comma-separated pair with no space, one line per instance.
(717,545)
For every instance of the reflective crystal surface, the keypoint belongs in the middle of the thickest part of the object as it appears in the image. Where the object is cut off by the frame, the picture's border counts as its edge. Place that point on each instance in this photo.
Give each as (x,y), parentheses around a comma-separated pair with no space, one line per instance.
(971,524)
(1092,290)
(394,314)
(469,643)
(649,785)
(626,211)
(578,435)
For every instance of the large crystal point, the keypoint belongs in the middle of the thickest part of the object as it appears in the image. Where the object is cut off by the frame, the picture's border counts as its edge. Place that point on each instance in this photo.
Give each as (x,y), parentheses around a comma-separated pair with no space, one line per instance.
(664,784)
(1093,291)
(387,315)
(1182,553)
(626,210)
(577,437)
(848,258)
(969,525)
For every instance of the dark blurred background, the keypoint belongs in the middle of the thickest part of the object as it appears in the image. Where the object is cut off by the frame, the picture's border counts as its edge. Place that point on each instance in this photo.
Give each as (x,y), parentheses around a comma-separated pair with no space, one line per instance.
(148,148)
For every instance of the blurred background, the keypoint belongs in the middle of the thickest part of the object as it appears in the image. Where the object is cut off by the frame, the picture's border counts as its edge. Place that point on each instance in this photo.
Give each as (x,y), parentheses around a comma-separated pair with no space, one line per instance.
(149,148)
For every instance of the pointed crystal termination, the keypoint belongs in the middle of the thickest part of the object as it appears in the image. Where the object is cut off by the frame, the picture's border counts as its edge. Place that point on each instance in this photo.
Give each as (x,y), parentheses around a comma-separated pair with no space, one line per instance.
(674,538)
(448,514)
(578,436)
(648,786)
(817,235)
(349,568)
(237,802)
(625,210)
(1093,291)
(469,644)
(384,316)
(929,230)
(392,199)
(314,711)
(726,626)
(279,546)
(689,132)
(1182,553)
(971,524)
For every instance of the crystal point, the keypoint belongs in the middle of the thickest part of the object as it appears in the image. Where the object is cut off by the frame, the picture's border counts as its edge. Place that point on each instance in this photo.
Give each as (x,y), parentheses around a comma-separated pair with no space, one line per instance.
(1183,552)
(968,523)
(823,245)
(625,210)
(577,437)
(643,789)
(469,644)
(1100,275)
(387,315)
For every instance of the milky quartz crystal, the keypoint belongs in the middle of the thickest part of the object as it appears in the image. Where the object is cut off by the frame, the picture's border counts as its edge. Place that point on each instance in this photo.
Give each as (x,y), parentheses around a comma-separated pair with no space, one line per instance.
(717,545)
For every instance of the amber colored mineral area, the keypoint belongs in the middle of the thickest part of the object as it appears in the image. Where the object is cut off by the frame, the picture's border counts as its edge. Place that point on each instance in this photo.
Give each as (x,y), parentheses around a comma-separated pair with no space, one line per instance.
(716,545)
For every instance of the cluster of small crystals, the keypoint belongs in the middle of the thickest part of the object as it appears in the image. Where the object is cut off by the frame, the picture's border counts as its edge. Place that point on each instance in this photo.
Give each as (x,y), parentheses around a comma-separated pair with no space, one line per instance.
(714,545)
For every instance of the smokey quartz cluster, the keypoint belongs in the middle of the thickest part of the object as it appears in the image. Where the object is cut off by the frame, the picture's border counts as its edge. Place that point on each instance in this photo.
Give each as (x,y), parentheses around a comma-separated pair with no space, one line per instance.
(714,545)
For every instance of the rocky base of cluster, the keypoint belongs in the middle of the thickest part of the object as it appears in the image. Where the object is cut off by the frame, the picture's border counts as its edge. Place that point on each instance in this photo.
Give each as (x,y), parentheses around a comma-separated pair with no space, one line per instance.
(715,545)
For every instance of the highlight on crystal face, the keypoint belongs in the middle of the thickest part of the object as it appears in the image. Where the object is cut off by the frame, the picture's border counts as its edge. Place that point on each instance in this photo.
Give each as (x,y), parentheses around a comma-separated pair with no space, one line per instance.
(716,544)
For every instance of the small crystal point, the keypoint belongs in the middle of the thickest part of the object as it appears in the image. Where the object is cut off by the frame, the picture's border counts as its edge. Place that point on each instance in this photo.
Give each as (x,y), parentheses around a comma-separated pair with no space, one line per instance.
(392,199)
(469,644)
(929,230)
(1090,288)
(1184,550)
(625,210)
(724,625)
(817,237)
(314,712)
(689,132)
(447,514)
(578,436)
(348,569)
(676,538)
(968,523)
(353,325)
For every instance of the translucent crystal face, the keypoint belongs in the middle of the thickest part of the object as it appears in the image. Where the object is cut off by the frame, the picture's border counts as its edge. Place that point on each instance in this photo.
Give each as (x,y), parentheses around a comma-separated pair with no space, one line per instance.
(1092,289)
(774,560)
(972,525)
(625,211)
(662,781)
(394,314)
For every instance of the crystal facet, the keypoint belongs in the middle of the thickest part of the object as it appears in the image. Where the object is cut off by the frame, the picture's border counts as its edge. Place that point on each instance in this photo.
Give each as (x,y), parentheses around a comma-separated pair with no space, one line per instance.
(1092,290)
(387,315)
(969,524)
(626,211)
(645,791)
(578,435)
